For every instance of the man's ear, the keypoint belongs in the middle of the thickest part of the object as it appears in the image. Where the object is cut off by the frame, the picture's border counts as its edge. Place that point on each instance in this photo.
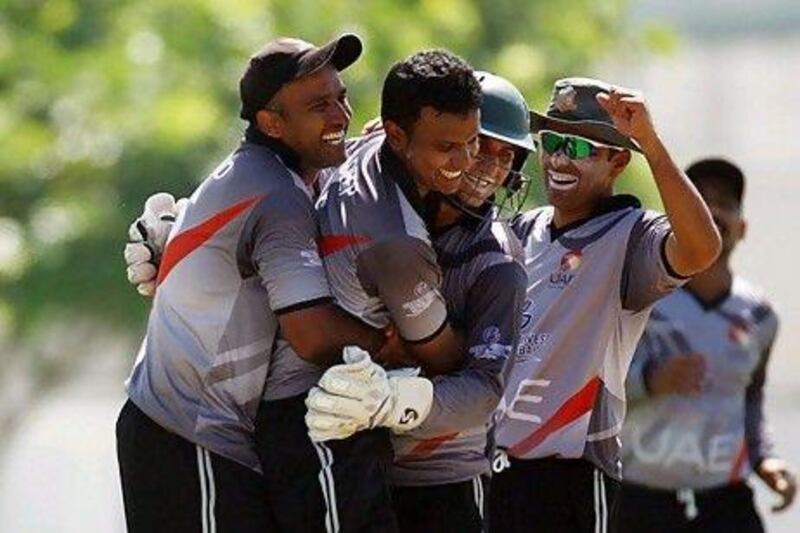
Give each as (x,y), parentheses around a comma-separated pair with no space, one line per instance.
(270,123)
(397,137)
(619,160)
(742,229)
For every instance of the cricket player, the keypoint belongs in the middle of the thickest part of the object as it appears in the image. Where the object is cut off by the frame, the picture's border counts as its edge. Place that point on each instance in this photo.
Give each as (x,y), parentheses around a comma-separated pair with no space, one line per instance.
(596,263)
(348,471)
(240,267)
(696,428)
(440,468)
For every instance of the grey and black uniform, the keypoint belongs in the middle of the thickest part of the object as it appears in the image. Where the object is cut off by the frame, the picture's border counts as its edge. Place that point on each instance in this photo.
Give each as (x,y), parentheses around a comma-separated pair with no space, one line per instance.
(242,251)
(441,468)
(686,458)
(591,286)
(382,263)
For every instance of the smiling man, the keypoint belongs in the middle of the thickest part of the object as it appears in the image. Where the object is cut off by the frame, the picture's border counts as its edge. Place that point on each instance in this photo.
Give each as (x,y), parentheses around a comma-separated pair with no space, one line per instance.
(596,263)
(696,427)
(440,468)
(240,286)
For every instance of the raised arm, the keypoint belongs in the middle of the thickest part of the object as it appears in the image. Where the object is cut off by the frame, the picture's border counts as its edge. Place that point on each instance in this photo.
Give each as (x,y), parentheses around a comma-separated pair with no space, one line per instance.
(695,242)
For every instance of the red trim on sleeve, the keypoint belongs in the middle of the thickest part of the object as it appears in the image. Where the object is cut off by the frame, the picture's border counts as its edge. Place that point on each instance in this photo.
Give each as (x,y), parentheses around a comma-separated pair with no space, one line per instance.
(188,241)
(330,244)
(576,406)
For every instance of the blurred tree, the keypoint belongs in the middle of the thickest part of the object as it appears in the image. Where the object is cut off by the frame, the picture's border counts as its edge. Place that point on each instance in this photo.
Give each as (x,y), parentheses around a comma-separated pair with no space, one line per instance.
(103,103)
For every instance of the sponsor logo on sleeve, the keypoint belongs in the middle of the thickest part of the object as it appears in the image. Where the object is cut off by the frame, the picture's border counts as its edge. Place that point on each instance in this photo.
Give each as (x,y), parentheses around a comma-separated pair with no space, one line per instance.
(425,296)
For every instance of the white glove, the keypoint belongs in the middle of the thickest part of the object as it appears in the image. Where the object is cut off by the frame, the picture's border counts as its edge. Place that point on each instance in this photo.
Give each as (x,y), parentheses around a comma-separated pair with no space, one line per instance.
(360,395)
(148,236)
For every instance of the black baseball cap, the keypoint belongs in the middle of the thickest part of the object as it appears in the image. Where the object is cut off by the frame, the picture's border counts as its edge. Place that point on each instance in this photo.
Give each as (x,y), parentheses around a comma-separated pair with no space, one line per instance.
(286,59)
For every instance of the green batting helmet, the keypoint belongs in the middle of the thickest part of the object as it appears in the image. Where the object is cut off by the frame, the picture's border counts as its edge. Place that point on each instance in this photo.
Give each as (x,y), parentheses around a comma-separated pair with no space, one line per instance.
(504,114)
(506,118)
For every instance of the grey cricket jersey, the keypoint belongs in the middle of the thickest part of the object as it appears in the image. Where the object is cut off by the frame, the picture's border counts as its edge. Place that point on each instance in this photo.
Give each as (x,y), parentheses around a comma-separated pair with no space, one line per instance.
(484,285)
(242,251)
(382,264)
(375,245)
(591,286)
(718,436)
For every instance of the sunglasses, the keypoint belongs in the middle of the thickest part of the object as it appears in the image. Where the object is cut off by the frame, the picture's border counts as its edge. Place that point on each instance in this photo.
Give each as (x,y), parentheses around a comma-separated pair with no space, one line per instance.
(573,146)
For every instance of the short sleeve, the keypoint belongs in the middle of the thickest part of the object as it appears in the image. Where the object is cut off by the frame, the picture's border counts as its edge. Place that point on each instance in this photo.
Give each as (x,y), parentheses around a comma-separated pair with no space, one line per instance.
(466,398)
(278,243)
(646,274)
(404,274)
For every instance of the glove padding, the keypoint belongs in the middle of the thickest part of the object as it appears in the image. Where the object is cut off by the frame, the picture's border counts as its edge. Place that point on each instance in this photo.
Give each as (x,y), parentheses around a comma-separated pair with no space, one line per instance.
(148,236)
(359,395)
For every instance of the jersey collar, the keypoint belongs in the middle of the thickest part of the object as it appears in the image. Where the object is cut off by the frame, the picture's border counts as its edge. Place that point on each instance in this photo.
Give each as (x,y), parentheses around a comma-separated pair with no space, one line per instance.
(618,202)
(288,156)
(395,170)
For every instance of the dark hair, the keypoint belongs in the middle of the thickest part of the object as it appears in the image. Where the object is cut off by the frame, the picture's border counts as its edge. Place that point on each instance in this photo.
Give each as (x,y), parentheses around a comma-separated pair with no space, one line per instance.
(434,78)
(721,173)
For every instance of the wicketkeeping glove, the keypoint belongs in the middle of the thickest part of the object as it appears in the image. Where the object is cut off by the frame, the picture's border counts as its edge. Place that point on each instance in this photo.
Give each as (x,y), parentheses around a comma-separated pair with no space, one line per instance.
(359,394)
(148,236)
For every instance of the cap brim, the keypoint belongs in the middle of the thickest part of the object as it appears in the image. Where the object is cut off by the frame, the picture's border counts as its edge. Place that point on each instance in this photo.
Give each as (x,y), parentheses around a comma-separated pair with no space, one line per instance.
(596,131)
(341,53)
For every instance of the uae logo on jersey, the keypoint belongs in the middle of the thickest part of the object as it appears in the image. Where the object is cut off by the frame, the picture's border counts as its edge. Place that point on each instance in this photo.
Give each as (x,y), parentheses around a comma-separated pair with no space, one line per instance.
(570,263)
(739,333)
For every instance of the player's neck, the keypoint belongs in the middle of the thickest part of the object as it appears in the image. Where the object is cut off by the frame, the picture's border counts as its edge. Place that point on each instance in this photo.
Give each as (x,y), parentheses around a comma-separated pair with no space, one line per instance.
(590,206)
(564,217)
(446,216)
(710,284)
(309,175)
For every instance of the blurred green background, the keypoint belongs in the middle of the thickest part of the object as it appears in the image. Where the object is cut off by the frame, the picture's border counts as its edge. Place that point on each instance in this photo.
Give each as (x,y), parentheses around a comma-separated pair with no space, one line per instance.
(104,102)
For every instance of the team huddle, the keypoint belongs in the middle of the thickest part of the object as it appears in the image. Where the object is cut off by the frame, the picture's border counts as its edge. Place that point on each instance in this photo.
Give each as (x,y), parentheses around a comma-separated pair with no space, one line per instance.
(371,333)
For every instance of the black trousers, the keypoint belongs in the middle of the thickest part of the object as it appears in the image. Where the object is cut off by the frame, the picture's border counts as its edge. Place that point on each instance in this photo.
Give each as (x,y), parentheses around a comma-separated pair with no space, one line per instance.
(339,485)
(449,508)
(172,485)
(727,509)
(551,495)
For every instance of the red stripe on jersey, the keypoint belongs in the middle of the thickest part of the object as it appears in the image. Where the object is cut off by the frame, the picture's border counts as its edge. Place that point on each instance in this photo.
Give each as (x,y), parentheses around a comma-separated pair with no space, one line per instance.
(427,447)
(738,463)
(185,243)
(330,244)
(576,406)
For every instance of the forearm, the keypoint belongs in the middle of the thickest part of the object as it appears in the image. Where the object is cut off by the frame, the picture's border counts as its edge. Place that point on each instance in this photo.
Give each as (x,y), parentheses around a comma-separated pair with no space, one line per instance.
(756,431)
(462,400)
(319,333)
(695,242)
(441,355)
